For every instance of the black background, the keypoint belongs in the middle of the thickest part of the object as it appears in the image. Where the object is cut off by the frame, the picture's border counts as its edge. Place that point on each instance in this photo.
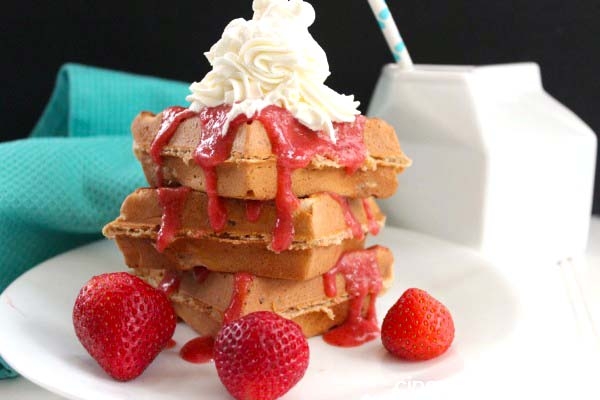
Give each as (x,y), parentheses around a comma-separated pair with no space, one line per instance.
(168,38)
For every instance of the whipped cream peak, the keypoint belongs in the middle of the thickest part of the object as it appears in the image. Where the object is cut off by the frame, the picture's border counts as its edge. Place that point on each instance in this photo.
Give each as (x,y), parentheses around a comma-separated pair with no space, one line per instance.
(272,59)
(296,11)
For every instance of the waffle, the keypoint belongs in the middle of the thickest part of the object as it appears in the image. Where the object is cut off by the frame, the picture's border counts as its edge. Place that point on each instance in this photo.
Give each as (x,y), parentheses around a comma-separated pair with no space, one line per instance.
(321,235)
(251,172)
(225,255)
(318,221)
(250,227)
(202,305)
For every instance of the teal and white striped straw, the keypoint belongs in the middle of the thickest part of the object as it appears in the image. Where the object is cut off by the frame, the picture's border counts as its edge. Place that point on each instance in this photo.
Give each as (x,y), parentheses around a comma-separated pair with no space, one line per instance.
(391,33)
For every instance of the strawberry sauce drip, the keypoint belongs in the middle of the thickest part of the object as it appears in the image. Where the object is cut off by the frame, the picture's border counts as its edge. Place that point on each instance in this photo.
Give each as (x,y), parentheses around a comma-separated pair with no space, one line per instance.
(171,201)
(294,146)
(213,149)
(253,210)
(170,344)
(351,221)
(171,119)
(170,282)
(200,274)
(285,204)
(241,286)
(373,225)
(198,350)
(217,214)
(362,277)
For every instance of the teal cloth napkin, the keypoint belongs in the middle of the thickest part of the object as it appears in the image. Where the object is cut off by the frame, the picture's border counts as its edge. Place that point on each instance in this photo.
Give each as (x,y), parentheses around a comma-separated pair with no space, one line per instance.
(68,179)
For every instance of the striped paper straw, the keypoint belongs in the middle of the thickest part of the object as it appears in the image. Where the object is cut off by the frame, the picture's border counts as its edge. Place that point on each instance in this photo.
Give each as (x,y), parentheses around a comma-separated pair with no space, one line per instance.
(391,33)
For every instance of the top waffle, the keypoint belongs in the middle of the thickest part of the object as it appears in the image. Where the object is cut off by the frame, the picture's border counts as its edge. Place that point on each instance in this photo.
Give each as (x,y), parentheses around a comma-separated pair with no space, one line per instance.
(250,172)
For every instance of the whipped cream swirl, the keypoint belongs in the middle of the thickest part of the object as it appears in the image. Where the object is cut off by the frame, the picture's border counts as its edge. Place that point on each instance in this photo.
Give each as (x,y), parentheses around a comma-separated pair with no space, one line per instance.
(273,59)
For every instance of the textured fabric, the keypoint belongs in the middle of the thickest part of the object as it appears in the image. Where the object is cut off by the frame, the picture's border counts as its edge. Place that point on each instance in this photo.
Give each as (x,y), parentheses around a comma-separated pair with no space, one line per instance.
(61,185)
(6,371)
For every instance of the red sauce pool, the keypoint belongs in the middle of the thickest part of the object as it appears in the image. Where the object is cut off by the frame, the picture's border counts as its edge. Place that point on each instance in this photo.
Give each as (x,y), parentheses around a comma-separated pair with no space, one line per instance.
(198,350)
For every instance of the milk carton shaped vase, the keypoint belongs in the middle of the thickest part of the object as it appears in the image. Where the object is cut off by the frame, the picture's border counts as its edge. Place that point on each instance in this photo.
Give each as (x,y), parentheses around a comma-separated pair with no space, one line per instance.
(499,165)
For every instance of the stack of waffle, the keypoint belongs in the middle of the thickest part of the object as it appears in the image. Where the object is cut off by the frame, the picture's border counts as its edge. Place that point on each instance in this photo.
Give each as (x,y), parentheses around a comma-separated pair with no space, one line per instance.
(168,237)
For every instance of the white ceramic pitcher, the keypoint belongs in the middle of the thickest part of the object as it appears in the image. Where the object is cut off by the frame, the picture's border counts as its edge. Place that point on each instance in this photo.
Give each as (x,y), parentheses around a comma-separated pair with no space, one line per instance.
(499,165)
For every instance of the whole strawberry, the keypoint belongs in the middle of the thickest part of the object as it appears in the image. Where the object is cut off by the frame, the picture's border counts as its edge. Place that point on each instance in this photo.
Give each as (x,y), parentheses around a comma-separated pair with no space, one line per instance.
(123,323)
(418,327)
(260,356)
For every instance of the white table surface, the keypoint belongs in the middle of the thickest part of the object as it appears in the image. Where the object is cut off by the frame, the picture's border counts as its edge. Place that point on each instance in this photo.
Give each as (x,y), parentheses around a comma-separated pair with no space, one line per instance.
(587,272)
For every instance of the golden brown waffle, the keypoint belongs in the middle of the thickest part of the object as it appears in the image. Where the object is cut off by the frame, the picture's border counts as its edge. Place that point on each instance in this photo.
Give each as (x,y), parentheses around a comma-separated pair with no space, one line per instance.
(318,221)
(202,305)
(251,173)
(226,255)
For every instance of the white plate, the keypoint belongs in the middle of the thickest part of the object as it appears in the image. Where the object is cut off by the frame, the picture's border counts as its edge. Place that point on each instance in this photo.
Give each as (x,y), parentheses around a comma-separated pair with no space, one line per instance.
(37,337)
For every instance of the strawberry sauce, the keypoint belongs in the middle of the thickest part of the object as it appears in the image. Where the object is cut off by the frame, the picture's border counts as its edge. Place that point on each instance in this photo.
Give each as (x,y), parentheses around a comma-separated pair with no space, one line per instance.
(351,221)
(171,119)
(362,277)
(293,144)
(253,210)
(241,286)
(170,344)
(171,201)
(200,274)
(198,350)
(170,282)
(213,149)
(373,225)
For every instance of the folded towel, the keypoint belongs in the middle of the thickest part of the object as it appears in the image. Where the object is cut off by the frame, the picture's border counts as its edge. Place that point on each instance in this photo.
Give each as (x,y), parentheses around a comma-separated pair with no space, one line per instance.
(68,179)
